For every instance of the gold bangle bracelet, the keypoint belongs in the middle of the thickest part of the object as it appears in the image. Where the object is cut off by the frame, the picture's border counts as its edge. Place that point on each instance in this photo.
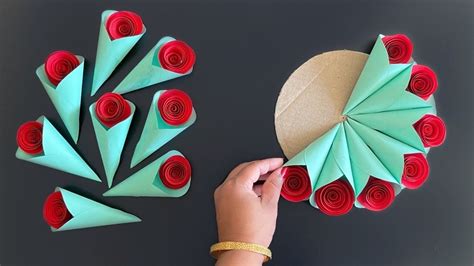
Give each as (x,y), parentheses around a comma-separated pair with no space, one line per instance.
(220,247)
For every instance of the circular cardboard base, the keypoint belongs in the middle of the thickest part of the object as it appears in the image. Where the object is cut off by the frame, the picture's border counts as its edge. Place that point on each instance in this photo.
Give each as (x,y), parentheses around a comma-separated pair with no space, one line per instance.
(313,98)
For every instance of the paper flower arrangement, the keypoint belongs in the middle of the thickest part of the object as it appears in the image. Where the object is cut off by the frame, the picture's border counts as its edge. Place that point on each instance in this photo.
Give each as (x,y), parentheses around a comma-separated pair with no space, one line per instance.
(61,76)
(379,147)
(170,113)
(168,176)
(64,210)
(119,32)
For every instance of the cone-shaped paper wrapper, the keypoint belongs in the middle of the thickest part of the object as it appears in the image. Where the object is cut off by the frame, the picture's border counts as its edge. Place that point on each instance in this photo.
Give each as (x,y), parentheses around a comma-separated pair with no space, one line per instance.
(66,96)
(314,155)
(110,52)
(148,72)
(147,182)
(156,132)
(111,141)
(397,124)
(88,213)
(376,74)
(58,154)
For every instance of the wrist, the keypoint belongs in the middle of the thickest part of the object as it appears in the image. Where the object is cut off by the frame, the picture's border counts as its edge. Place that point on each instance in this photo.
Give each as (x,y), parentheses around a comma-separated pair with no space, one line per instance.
(240,257)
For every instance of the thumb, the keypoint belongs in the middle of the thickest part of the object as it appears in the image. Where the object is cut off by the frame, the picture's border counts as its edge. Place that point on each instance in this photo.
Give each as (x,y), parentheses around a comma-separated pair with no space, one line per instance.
(272,187)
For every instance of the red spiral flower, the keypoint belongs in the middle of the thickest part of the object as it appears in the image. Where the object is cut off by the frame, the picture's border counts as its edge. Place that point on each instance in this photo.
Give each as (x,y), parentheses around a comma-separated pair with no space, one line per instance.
(55,212)
(335,198)
(296,185)
(175,172)
(377,195)
(29,137)
(123,24)
(175,107)
(423,81)
(111,109)
(415,171)
(431,130)
(399,48)
(59,64)
(176,56)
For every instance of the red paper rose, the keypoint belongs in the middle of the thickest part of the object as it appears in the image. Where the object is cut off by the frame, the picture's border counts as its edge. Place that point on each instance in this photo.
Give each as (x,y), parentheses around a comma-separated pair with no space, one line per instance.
(377,195)
(123,23)
(335,198)
(175,172)
(423,81)
(175,107)
(296,185)
(55,212)
(431,130)
(399,48)
(111,109)
(176,56)
(59,64)
(29,137)
(415,171)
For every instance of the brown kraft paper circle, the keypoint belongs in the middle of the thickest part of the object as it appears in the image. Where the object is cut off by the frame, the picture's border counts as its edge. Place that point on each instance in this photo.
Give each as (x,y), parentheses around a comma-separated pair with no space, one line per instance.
(313,98)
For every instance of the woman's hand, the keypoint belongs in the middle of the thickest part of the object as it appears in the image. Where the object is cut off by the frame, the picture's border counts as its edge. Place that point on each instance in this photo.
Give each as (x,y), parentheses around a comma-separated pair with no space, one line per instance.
(247,212)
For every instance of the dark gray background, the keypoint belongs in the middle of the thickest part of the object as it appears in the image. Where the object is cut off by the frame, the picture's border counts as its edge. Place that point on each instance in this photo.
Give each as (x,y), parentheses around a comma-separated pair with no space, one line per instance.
(245,52)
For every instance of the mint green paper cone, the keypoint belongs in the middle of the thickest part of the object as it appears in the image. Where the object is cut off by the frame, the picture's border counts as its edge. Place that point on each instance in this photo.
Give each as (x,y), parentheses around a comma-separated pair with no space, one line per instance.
(387,149)
(397,124)
(58,154)
(88,213)
(330,172)
(110,52)
(156,132)
(364,162)
(314,155)
(66,96)
(148,72)
(111,141)
(376,73)
(147,182)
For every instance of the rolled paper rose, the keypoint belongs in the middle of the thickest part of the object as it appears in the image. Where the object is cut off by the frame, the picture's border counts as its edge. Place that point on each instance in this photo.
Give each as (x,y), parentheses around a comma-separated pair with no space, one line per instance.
(423,81)
(296,185)
(175,107)
(29,137)
(175,172)
(431,130)
(111,109)
(177,56)
(59,64)
(415,170)
(377,195)
(335,198)
(55,212)
(399,48)
(123,23)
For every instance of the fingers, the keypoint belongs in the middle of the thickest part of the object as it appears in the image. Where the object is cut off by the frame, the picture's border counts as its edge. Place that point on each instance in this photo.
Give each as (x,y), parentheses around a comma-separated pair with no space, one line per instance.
(257,189)
(272,187)
(252,172)
(237,169)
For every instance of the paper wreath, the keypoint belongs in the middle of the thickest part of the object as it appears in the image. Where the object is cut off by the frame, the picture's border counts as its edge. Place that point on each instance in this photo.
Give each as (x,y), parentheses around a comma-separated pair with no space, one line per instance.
(147,182)
(66,96)
(58,154)
(87,213)
(110,52)
(375,132)
(148,71)
(111,141)
(156,132)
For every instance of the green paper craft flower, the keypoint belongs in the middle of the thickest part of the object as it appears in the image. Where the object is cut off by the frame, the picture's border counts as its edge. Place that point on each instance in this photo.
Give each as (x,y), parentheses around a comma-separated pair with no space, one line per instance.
(376,132)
